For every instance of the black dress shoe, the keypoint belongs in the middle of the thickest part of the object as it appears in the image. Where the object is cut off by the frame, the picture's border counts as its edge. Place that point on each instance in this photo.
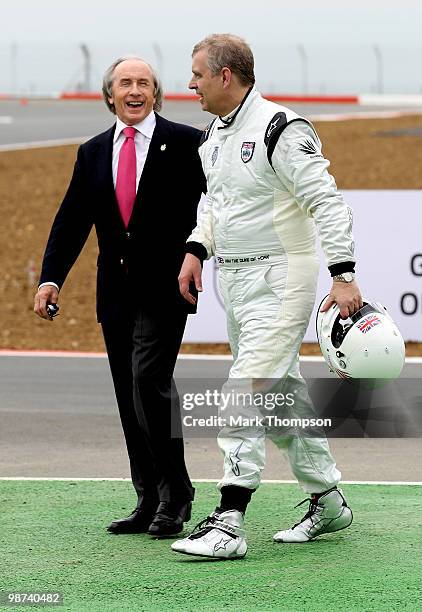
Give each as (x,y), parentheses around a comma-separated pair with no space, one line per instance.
(137,522)
(169,518)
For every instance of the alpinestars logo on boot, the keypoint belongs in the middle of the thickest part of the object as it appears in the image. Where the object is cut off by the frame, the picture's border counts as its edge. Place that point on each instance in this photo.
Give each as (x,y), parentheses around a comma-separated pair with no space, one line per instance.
(221,545)
(309,148)
(235,459)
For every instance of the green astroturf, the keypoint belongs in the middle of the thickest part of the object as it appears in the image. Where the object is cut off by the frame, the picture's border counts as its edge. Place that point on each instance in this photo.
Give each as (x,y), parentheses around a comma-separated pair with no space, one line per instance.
(53,538)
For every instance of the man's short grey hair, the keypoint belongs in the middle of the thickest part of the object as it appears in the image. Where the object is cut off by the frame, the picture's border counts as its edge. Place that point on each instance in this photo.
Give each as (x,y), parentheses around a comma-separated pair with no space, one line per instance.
(108,83)
(229,51)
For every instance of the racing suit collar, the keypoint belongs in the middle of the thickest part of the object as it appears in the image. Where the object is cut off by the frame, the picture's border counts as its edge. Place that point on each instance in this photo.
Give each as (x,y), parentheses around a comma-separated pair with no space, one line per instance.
(240,111)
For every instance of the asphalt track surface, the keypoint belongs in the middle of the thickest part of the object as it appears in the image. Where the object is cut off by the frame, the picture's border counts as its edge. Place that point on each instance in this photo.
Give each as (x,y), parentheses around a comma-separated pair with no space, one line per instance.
(46,120)
(59,419)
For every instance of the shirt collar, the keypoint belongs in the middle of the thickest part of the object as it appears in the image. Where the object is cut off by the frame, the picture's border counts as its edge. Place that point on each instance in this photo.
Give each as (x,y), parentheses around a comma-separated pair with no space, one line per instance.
(145,127)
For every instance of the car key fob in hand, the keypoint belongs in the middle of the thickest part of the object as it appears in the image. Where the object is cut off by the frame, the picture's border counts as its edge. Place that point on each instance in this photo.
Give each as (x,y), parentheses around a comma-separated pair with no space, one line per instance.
(52,310)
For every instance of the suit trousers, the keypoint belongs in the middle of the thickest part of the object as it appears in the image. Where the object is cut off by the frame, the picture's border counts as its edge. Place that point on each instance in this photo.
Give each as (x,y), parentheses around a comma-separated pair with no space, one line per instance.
(142,351)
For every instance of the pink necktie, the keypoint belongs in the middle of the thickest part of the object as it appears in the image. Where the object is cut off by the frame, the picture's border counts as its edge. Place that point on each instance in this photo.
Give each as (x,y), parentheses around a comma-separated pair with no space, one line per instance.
(126,175)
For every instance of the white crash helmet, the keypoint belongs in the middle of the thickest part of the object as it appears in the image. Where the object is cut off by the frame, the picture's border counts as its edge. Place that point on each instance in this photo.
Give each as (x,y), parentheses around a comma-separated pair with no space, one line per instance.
(366,345)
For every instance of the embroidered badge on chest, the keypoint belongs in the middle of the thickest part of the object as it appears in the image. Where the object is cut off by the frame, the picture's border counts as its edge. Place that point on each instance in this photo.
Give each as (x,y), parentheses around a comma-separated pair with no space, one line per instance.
(214,155)
(247,150)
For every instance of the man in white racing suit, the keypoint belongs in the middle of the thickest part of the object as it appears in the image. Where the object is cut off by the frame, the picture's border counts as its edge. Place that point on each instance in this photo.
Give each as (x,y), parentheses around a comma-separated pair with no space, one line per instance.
(269,193)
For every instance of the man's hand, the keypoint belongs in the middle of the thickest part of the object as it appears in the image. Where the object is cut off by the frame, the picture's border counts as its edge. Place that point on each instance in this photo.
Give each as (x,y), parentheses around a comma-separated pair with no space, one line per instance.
(191,271)
(347,297)
(46,295)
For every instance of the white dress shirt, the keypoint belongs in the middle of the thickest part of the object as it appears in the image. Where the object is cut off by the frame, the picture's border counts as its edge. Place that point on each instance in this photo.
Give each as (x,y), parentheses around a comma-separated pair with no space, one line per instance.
(144,131)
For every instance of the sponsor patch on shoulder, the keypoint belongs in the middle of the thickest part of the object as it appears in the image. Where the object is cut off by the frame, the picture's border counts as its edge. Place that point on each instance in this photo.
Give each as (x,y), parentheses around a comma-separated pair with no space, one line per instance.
(309,148)
(247,151)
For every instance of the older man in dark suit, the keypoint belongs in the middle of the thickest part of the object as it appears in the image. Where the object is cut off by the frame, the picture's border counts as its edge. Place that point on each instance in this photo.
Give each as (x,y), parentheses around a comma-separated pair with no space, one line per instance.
(139,183)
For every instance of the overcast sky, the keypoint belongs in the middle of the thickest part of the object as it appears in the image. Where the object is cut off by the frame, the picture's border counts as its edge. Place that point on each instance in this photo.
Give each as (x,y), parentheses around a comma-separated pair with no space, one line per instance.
(338,37)
(189,20)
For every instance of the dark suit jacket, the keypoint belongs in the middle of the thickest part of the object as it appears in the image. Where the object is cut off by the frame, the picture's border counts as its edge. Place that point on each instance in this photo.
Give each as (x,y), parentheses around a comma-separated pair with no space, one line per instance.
(143,261)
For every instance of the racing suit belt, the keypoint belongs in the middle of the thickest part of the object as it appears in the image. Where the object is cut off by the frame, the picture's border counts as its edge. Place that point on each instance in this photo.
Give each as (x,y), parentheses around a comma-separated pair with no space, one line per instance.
(240,261)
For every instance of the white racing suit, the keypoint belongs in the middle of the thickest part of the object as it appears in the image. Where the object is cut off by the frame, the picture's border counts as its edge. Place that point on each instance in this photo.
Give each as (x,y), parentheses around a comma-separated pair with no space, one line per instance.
(259,222)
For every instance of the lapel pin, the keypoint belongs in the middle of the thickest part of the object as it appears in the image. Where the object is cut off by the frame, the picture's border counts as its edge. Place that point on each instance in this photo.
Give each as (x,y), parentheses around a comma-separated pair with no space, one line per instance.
(163,147)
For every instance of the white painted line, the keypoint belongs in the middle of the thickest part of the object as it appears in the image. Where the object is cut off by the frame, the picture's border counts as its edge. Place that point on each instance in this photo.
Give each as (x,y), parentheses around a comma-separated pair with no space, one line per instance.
(364,115)
(64,479)
(41,144)
(182,356)
(81,354)
(302,358)
(207,357)
(390,100)
(348,482)
(203,357)
(357,482)
(206,480)
(6,119)
(69,354)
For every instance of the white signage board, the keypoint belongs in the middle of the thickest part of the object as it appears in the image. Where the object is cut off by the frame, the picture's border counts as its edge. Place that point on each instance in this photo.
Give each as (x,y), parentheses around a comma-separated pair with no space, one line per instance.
(388,234)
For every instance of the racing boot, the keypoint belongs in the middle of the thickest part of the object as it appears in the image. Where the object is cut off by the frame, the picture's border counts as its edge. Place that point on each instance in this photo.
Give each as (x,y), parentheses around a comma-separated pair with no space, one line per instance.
(328,512)
(220,536)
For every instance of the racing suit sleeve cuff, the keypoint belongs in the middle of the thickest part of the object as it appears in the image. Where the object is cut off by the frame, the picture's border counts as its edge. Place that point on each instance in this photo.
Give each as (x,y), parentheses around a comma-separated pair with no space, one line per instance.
(344,266)
(197,249)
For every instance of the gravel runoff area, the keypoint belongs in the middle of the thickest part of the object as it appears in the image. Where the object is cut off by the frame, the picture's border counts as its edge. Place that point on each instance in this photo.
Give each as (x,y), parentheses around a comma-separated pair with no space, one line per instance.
(365,154)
